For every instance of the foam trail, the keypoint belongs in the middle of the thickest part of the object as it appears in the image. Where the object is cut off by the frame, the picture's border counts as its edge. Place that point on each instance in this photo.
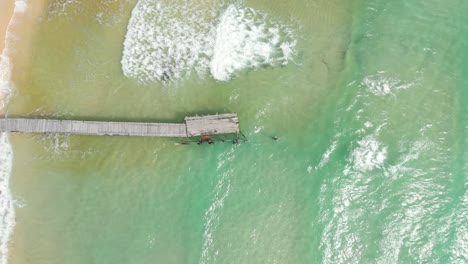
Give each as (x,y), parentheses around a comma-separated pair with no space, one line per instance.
(381,86)
(7,213)
(212,213)
(62,7)
(106,15)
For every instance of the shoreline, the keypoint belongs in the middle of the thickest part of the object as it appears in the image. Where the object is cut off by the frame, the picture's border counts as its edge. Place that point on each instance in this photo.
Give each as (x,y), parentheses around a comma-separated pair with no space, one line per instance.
(6,20)
(18,21)
(6,13)
(20,33)
(7,213)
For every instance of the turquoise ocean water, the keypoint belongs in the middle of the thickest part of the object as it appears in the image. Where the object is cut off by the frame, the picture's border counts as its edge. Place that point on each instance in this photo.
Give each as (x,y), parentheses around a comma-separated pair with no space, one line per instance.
(369,100)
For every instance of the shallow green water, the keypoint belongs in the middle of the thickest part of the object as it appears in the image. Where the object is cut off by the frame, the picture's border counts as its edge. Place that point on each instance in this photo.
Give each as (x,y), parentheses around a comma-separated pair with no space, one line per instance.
(370,166)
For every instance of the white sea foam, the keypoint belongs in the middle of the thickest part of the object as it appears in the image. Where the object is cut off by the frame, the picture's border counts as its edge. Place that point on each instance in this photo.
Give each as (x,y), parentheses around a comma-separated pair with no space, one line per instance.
(21,6)
(108,13)
(5,79)
(212,217)
(326,156)
(57,144)
(349,195)
(368,155)
(62,7)
(411,151)
(167,40)
(381,85)
(246,38)
(111,12)
(459,249)
(6,85)
(7,212)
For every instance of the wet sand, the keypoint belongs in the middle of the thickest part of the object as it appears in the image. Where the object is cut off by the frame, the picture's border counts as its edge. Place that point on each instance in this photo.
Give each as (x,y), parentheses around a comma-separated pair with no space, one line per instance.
(6,11)
(24,28)
(18,24)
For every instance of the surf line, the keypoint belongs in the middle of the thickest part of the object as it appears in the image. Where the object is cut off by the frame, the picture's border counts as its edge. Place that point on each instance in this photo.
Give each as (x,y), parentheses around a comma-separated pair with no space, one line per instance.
(7,210)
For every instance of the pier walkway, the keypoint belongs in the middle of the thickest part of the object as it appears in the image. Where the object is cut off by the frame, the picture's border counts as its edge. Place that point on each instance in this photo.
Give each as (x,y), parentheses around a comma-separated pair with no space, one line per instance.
(193,126)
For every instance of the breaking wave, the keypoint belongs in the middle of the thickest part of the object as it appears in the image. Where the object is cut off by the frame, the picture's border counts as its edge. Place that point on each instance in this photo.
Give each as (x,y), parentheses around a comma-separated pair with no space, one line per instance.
(167,40)
(368,155)
(381,85)
(7,213)
(246,38)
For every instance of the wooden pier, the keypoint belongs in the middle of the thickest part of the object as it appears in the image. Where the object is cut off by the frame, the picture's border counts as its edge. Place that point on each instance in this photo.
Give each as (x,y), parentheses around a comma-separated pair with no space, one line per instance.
(193,126)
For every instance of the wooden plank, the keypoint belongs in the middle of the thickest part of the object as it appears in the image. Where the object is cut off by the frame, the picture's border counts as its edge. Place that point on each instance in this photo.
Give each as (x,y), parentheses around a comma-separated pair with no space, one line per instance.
(194,126)
(92,127)
(212,124)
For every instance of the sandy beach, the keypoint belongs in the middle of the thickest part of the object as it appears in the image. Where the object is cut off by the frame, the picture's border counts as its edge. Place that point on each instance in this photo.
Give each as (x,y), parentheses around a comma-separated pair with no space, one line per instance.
(18,22)
(6,210)
(6,11)
(24,28)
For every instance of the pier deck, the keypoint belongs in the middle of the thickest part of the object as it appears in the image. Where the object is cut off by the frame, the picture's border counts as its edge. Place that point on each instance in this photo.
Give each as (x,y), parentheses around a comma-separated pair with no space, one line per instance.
(193,126)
